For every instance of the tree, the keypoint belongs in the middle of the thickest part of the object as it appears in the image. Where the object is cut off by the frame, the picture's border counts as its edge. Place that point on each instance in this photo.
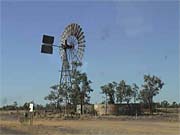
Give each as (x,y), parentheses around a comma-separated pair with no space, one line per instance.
(120,90)
(75,95)
(165,104)
(81,89)
(124,92)
(26,106)
(158,105)
(39,107)
(151,87)
(15,104)
(104,89)
(85,90)
(128,94)
(56,95)
(79,93)
(135,90)
(109,91)
(174,104)
(50,106)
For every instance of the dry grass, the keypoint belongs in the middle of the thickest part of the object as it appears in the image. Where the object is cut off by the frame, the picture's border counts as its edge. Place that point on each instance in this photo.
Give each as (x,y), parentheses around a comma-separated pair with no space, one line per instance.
(95,127)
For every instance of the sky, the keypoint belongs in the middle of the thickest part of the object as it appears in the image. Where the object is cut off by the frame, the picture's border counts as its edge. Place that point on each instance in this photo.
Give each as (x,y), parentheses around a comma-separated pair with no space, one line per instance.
(124,41)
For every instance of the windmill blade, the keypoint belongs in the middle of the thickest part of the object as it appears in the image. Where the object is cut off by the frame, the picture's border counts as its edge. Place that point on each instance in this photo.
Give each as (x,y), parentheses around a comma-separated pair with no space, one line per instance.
(81,49)
(82,42)
(76,29)
(64,34)
(66,31)
(73,29)
(81,38)
(81,34)
(79,31)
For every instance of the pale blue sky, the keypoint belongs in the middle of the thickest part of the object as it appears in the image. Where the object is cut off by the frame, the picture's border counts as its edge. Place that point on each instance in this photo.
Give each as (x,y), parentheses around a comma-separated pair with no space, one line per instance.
(125,40)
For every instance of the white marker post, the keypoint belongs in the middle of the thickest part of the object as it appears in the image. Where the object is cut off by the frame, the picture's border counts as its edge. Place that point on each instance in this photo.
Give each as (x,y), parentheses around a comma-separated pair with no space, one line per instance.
(31,113)
(31,107)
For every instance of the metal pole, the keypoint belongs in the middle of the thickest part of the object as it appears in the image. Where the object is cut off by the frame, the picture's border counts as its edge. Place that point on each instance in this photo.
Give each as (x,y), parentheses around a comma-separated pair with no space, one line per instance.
(31,118)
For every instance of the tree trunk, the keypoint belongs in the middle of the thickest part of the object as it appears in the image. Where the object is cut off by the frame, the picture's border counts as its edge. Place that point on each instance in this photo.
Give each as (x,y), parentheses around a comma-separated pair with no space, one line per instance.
(151,110)
(129,110)
(82,103)
(106,105)
(150,102)
(149,106)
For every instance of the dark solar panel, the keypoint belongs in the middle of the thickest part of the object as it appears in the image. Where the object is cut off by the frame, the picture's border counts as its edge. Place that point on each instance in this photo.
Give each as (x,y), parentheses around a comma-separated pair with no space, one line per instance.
(48,39)
(46,49)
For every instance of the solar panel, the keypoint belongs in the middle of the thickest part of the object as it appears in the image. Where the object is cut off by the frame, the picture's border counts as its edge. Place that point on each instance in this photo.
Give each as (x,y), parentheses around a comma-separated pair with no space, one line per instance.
(48,39)
(46,49)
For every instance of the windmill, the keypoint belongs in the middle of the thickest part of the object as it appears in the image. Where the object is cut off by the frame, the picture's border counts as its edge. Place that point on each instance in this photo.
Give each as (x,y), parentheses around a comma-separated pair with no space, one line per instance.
(71,48)
(71,52)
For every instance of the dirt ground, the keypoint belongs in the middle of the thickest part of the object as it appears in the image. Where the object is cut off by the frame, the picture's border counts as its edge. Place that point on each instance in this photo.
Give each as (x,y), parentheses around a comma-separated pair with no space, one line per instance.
(8,131)
(10,125)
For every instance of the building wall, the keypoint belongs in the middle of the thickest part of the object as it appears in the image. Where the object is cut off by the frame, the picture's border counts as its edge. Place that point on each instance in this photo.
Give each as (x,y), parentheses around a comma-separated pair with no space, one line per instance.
(103,109)
(117,109)
(87,109)
(110,109)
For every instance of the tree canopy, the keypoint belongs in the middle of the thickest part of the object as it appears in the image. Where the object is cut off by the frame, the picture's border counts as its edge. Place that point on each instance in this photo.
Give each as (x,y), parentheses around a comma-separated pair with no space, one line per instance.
(77,94)
(150,88)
